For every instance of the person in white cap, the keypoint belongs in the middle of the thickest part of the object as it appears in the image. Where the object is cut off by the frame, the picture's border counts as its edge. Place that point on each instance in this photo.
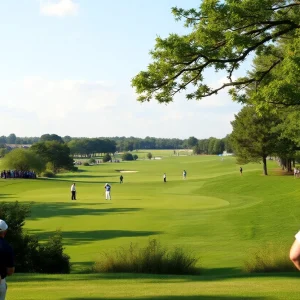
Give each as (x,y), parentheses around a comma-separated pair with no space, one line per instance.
(7,265)
(107,191)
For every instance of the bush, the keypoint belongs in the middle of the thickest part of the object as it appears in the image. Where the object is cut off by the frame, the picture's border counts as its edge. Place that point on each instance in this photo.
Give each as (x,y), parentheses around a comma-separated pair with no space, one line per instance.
(149,155)
(30,255)
(135,157)
(74,169)
(86,164)
(48,174)
(106,157)
(127,156)
(153,259)
(92,161)
(270,258)
(51,256)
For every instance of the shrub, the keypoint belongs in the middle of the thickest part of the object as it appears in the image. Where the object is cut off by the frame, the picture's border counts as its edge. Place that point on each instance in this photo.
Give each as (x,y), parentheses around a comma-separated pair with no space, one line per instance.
(92,161)
(149,155)
(153,259)
(86,164)
(48,174)
(30,255)
(269,258)
(51,256)
(74,169)
(106,157)
(135,157)
(127,156)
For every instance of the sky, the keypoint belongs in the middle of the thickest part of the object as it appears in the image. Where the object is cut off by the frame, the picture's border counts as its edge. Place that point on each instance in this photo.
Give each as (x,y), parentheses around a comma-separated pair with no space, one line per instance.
(67,65)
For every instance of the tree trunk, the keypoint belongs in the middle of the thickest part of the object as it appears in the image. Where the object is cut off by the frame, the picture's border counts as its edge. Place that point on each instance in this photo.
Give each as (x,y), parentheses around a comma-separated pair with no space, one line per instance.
(265,165)
(289,165)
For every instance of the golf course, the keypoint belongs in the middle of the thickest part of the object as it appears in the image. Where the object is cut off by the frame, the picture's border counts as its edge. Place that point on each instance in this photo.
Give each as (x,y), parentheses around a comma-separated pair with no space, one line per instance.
(216,214)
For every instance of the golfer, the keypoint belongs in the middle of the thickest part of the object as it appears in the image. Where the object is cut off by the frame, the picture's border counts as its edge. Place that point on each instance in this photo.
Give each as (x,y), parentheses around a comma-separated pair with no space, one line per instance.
(107,191)
(73,192)
(7,266)
(165,177)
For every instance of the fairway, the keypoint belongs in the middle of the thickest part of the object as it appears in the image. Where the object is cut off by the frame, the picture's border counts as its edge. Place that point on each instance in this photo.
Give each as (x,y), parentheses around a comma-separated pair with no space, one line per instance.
(217,214)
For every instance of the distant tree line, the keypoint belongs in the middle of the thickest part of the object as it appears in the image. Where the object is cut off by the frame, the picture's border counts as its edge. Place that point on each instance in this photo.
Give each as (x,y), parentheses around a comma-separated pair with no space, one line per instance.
(87,147)
(212,145)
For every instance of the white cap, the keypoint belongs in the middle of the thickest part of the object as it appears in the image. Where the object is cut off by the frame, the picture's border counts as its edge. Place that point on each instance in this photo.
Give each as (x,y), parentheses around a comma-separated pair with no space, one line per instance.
(3,226)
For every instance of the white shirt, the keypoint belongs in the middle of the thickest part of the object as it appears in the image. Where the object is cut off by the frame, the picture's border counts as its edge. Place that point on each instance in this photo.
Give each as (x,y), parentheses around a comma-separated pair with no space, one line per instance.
(73,189)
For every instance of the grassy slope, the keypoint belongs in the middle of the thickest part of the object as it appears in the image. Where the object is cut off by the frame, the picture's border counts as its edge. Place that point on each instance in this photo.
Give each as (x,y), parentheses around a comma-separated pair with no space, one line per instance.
(215,212)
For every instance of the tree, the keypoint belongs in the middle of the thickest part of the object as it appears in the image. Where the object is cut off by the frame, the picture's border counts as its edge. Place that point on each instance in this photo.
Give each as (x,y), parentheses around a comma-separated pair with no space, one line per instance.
(135,157)
(54,152)
(192,142)
(51,137)
(254,136)
(127,156)
(11,139)
(3,140)
(67,139)
(92,161)
(218,147)
(149,155)
(280,87)
(222,35)
(211,145)
(106,157)
(23,160)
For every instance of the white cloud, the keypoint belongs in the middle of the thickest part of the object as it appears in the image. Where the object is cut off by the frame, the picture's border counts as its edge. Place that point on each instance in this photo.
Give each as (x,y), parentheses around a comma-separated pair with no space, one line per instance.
(37,105)
(55,100)
(59,8)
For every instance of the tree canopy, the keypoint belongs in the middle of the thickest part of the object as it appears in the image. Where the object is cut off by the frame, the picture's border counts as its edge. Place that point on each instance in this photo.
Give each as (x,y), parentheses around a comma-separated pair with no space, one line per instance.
(54,152)
(223,34)
(23,160)
(51,137)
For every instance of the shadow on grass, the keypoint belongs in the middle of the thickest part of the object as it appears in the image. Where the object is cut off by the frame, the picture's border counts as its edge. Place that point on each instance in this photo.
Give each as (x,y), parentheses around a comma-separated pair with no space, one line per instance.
(71,209)
(71,179)
(83,176)
(181,297)
(225,274)
(71,238)
(8,196)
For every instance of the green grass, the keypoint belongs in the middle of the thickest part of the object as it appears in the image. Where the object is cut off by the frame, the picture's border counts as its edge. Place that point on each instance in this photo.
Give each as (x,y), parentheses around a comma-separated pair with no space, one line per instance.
(216,213)
(146,287)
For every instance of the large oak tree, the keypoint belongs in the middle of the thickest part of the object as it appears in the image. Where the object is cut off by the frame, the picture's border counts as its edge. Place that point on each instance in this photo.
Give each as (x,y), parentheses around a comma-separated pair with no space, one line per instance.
(223,34)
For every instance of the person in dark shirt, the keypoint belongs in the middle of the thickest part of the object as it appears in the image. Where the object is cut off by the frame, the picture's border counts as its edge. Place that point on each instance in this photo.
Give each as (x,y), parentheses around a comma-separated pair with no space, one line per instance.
(7,265)
(121,179)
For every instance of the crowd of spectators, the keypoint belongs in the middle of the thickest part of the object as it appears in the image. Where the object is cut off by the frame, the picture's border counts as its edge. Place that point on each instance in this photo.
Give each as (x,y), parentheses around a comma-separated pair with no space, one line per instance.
(18,174)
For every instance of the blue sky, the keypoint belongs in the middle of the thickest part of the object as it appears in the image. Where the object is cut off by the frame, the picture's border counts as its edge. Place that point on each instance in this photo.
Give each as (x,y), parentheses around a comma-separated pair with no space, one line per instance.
(66,67)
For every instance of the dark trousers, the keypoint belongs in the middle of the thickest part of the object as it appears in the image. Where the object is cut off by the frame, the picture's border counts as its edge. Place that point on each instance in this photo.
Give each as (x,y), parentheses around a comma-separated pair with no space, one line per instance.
(165,179)
(73,195)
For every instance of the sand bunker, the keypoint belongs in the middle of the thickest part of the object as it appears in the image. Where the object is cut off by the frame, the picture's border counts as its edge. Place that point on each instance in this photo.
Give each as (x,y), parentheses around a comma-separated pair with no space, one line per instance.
(126,171)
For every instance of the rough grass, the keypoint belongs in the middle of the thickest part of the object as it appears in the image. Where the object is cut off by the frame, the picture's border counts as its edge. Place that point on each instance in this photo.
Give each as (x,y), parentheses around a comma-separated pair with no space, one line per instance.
(152,259)
(269,258)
